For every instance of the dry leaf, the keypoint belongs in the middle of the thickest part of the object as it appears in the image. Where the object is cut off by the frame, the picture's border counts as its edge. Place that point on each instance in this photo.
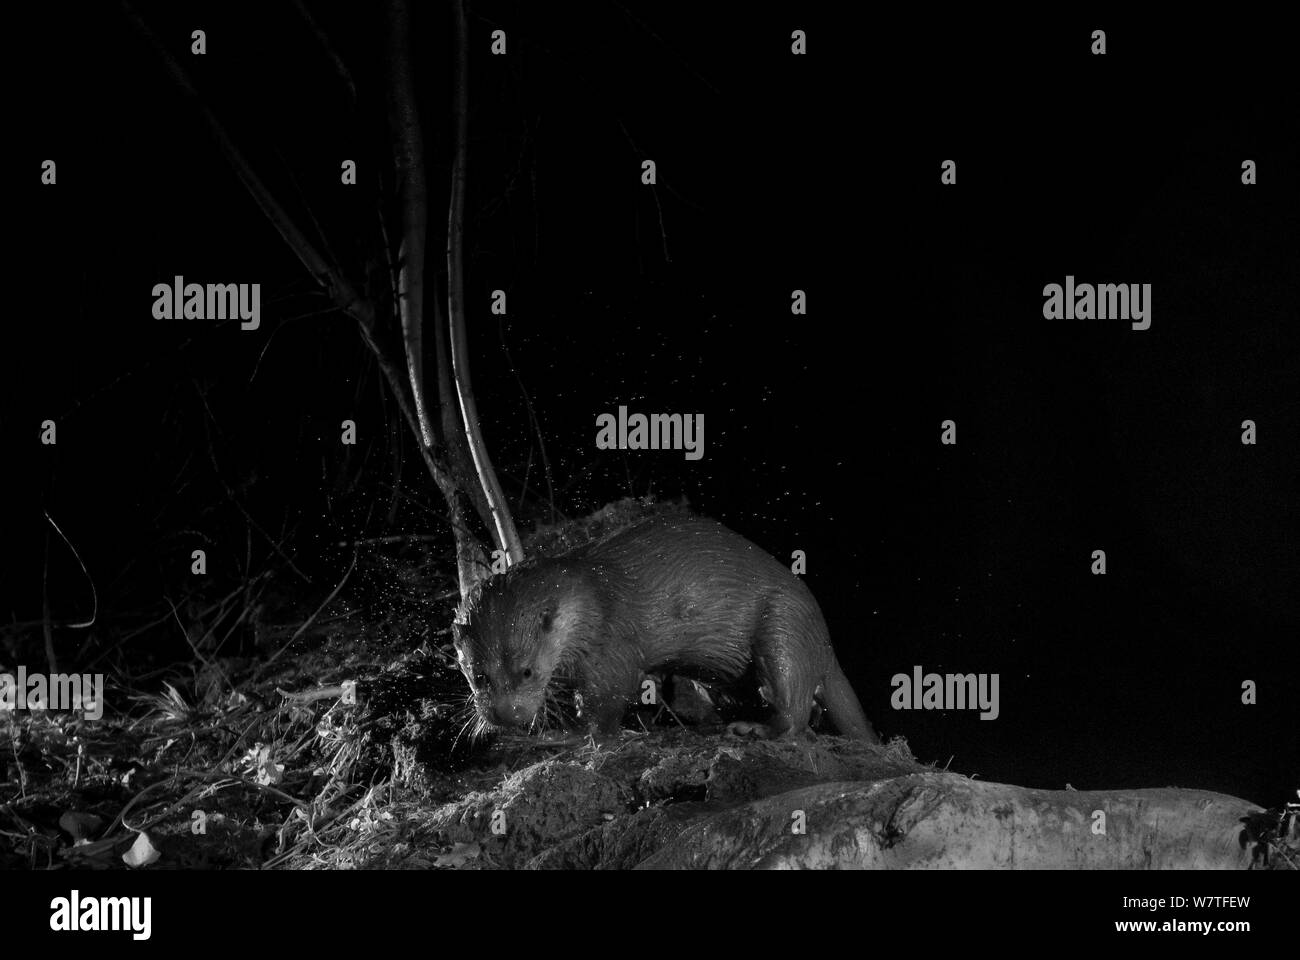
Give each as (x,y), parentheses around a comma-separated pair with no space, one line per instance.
(457,855)
(80,825)
(142,852)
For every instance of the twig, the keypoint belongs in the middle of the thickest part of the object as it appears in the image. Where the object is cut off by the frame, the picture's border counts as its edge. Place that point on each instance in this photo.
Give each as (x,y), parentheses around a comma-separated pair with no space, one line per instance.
(312,619)
(308,696)
(186,634)
(94,597)
(47,628)
(395,538)
(22,773)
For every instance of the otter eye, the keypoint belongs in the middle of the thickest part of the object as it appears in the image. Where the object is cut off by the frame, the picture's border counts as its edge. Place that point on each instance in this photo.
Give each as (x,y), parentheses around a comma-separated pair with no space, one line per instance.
(545,621)
(528,673)
(480,680)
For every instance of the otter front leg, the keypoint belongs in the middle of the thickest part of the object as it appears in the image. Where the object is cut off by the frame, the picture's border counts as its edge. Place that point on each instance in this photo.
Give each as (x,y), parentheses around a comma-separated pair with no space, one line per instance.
(785,684)
(606,719)
(607,698)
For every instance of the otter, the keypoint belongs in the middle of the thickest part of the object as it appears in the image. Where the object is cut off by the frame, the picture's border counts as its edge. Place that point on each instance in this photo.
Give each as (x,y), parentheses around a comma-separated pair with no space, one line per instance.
(670,591)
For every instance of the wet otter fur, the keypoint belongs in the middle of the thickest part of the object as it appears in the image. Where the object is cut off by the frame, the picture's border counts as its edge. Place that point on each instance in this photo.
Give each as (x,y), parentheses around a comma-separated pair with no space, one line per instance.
(670,591)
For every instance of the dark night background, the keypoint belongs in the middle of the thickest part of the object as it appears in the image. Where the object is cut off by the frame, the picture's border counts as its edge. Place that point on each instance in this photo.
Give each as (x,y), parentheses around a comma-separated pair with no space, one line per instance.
(821,432)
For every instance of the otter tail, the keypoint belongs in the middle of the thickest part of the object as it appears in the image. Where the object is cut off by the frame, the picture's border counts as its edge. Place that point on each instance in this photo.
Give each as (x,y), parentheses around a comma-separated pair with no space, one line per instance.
(842,704)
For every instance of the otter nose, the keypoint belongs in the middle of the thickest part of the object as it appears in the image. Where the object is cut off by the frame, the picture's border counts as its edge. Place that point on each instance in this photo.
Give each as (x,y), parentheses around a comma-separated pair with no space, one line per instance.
(511,713)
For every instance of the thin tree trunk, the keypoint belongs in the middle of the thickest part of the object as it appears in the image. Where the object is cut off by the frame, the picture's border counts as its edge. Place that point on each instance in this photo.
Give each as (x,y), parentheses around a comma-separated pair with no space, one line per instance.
(407,390)
(502,523)
(408,144)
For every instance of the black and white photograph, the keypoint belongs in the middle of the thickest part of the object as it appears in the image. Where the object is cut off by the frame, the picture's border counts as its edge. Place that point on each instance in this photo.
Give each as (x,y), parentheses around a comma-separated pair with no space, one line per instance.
(493,436)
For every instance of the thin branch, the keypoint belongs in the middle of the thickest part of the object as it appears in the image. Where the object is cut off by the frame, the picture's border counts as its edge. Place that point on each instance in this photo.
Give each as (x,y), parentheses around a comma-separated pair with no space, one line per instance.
(503,527)
(676,54)
(94,597)
(408,154)
(327,48)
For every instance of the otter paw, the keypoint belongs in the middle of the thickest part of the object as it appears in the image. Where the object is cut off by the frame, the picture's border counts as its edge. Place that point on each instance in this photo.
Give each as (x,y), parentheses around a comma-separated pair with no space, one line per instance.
(751,731)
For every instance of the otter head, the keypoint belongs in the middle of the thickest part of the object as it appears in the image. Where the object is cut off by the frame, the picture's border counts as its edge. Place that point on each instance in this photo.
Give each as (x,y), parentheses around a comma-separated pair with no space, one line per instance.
(513,632)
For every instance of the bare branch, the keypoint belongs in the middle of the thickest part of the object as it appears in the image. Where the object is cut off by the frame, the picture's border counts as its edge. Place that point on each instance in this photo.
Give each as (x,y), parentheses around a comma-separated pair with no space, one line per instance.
(409,157)
(327,48)
(328,276)
(503,526)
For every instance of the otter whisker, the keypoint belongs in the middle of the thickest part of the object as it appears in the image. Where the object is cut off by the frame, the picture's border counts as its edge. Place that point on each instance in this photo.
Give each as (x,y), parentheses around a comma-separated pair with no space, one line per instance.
(460,733)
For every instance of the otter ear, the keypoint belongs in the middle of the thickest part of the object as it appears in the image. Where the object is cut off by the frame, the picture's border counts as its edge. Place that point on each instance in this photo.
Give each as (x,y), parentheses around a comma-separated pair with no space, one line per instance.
(567,613)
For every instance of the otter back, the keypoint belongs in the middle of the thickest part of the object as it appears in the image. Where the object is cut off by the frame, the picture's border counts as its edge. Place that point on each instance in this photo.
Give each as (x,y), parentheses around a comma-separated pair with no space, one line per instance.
(678,591)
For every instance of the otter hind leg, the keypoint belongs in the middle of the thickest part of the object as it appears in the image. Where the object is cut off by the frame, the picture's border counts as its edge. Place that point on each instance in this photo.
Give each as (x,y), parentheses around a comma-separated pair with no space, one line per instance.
(785,671)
